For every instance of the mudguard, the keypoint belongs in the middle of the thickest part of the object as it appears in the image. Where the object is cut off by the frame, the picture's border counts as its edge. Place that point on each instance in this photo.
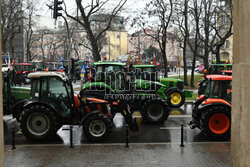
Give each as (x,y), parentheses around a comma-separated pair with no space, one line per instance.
(31,103)
(198,100)
(87,115)
(210,105)
(18,108)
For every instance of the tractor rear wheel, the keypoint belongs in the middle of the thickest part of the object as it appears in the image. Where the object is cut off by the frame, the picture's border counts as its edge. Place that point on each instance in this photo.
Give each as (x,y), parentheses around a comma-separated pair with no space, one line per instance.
(97,127)
(155,111)
(38,123)
(216,122)
(177,97)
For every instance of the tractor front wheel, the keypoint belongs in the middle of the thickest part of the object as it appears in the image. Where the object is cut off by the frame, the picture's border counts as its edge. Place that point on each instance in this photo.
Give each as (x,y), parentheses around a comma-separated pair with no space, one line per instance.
(38,123)
(97,127)
(177,97)
(216,122)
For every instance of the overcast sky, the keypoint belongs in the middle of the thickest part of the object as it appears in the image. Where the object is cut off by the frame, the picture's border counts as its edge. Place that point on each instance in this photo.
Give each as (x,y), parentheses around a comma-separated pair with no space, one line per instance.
(131,8)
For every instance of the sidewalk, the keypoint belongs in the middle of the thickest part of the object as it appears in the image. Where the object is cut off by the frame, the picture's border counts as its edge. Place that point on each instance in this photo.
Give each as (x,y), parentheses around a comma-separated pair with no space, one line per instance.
(162,154)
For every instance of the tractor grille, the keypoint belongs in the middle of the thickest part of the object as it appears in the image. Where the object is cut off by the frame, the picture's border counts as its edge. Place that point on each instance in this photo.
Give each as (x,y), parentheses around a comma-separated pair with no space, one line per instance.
(180,85)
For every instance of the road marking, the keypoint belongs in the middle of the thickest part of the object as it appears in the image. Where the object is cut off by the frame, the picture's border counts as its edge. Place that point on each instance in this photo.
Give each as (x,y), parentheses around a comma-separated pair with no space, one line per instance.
(173,128)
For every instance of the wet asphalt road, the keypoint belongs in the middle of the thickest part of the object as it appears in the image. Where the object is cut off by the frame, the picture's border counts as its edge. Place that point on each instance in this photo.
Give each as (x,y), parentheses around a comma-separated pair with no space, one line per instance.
(169,131)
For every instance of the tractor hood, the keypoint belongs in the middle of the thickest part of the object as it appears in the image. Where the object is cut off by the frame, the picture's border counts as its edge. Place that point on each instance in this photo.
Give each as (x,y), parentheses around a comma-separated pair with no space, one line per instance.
(140,83)
(20,92)
(170,80)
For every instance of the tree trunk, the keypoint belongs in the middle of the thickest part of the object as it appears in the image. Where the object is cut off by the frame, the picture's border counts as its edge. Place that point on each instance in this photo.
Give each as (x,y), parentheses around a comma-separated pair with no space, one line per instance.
(185,44)
(192,72)
(164,56)
(217,53)
(95,50)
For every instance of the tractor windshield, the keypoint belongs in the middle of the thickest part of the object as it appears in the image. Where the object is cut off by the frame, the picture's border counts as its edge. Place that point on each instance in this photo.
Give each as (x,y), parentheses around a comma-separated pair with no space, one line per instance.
(145,73)
(112,74)
(219,89)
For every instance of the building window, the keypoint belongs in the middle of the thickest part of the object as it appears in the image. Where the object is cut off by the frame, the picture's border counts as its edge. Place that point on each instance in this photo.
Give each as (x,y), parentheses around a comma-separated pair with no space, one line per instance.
(118,36)
(227,44)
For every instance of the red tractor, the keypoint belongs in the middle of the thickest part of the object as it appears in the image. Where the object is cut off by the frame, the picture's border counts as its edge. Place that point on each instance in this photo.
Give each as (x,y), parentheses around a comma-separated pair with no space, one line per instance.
(212,111)
(22,70)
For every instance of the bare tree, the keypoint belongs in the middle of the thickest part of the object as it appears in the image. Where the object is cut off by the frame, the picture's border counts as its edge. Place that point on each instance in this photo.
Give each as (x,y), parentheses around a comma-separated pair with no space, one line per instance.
(222,27)
(160,10)
(87,17)
(181,19)
(12,15)
(29,23)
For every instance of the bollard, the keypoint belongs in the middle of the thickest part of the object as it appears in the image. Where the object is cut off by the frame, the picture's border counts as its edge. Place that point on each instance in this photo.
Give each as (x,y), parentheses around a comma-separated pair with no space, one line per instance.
(71,136)
(182,144)
(13,138)
(127,139)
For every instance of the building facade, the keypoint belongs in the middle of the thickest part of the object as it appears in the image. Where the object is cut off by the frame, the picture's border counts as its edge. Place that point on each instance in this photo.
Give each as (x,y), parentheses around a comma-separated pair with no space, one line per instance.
(139,42)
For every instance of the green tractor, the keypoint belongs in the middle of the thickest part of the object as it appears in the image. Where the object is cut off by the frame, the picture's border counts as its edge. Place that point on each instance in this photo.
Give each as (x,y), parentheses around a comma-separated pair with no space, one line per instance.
(175,87)
(218,68)
(212,111)
(148,97)
(53,103)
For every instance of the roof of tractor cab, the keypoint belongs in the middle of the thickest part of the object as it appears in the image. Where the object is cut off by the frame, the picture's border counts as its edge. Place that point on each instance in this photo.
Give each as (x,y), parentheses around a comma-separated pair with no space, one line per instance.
(109,63)
(35,75)
(227,71)
(143,65)
(219,77)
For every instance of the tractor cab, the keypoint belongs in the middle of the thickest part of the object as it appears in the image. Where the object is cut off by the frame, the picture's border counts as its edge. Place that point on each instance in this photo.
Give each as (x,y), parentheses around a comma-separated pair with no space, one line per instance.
(108,78)
(111,73)
(52,88)
(146,72)
(216,86)
(219,87)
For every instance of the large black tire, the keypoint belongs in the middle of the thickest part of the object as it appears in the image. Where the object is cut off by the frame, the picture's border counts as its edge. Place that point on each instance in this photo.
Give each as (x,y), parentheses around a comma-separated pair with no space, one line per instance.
(177,97)
(38,123)
(97,127)
(155,111)
(216,122)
